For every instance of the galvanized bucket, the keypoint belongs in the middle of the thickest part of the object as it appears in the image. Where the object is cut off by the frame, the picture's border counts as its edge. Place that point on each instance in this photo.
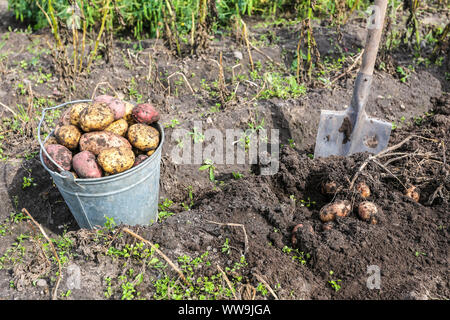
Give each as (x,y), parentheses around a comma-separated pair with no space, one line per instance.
(130,197)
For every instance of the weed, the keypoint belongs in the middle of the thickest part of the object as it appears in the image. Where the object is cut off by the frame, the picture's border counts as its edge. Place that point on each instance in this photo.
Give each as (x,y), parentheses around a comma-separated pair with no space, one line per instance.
(28,182)
(196,135)
(307,203)
(335,283)
(237,175)
(297,255)
(209,165)
(226,246)
(261,288)
(172,124)
(164,209)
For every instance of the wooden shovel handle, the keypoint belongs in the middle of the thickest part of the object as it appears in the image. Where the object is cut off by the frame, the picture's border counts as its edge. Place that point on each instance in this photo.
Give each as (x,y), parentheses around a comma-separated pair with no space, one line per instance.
(373,37)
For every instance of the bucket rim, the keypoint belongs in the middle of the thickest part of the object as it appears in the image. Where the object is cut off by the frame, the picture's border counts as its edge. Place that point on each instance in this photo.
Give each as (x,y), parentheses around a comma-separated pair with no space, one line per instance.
(113,177)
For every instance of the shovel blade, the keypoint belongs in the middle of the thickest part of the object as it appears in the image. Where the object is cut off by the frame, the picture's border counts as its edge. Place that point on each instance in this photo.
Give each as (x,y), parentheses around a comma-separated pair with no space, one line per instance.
(329,141)
(369,135)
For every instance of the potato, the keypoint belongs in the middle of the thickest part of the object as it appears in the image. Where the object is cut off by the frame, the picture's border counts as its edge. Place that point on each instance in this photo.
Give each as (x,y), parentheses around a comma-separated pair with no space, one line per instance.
(139,159)
(96,117)
(119,127)
(143,137)
(75,113)
(60,154)
(129,112)
(412,193)
(116,160)
(367,211)
(103,99)
(340,208)
(363,189)
(118,108)
(151,152)
(329,188)
(99,140)
(145,113)
(50,140)
(65,117)
(68,136)
(86,166)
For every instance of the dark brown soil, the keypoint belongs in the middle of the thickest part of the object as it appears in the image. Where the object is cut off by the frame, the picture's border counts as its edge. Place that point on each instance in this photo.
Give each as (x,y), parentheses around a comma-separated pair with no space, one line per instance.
(279,213)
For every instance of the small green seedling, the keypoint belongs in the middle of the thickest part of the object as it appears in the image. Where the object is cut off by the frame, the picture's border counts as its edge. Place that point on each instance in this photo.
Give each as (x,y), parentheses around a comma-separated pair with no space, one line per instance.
(335,283)
(209,165)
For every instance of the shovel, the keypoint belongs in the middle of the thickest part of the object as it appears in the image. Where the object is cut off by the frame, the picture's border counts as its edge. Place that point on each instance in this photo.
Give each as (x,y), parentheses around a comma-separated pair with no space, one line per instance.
(351,131)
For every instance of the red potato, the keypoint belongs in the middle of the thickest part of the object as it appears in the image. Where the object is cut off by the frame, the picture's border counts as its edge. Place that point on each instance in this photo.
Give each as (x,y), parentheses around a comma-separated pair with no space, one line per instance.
(60,154)
(103,98)
(118,108)
(98,140)
(86,166)
(139,159)
(145,113)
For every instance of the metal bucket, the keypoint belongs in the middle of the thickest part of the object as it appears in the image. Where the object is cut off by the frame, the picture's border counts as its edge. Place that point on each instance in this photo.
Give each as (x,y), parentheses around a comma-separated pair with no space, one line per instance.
(129,197)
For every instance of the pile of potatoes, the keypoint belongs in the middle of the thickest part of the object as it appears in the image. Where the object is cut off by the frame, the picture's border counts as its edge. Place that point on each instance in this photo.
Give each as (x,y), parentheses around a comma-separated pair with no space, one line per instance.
(104,137)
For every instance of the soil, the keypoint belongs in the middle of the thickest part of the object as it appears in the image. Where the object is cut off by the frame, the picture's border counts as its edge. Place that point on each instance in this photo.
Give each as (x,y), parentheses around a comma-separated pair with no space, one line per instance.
(270,220)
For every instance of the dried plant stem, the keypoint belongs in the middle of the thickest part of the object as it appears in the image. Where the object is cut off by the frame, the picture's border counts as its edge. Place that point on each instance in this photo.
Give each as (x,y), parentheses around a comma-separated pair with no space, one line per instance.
(99,36)
(55,289)
(264,282)
(227,281)
(159,252)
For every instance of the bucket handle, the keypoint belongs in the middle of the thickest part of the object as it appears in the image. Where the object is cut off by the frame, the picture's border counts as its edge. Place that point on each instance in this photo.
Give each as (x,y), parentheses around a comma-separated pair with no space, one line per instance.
(64,173)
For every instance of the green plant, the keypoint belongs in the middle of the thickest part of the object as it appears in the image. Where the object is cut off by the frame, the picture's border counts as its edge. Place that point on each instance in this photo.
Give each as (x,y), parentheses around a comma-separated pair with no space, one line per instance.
(237,175)
(196,135)
(209,165)
(297,255)
(307,203)
(226,246)
(28,182)
(335,283)
(172,123)
(164,209)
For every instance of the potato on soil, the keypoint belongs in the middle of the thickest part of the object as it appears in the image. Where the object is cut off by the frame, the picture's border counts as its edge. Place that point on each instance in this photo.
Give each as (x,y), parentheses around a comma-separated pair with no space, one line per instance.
(340,208)
(139,159)
(96,117)
(367,211)
(68,136)
(86,166)
(75,113)
(116,160)
(145,113)
(99,140)
(143,137)
(412,193)
(119,127)
(329,188)
(60,154)
(363,189)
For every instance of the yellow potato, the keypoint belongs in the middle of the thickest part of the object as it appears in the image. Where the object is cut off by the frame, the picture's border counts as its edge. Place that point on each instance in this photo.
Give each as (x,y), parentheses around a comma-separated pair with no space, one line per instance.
(119,127)
(75,113)
(151,152)
(143,137)
(96,117)
(51,140)
(116,160)
(128,112)
(68,136)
